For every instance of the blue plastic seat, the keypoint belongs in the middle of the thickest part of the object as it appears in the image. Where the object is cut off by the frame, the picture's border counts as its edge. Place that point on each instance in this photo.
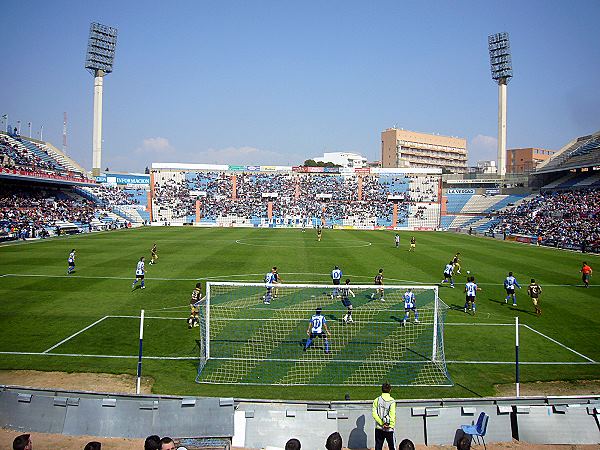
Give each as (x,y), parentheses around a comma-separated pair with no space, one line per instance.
(479,428)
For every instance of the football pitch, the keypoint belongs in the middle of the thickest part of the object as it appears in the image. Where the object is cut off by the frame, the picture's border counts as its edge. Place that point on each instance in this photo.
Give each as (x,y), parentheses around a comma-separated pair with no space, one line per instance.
(89,321)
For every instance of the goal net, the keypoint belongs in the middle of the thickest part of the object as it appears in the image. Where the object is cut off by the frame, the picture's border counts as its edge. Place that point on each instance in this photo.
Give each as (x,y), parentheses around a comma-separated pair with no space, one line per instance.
(243,340)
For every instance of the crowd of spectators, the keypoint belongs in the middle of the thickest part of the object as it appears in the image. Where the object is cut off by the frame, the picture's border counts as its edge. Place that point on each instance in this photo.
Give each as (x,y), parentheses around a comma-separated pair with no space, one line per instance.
(30,212)
(112,195)
(567,219)
(18,157)
(333,197)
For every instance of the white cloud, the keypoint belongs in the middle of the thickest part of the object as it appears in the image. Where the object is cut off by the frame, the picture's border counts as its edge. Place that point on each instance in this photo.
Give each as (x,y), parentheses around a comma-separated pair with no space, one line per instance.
(155,145)
(482,148)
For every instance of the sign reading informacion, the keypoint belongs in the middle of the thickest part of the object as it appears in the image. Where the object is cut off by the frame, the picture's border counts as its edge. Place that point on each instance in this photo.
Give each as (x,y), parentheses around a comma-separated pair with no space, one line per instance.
(124,179)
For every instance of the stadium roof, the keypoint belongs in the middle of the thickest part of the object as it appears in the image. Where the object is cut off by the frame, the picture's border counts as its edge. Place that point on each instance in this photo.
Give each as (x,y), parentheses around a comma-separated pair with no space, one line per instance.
(581,152)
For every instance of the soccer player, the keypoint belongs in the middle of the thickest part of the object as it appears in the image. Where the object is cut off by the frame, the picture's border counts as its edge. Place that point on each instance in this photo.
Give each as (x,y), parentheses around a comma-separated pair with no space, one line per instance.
(71,262)
(378,282)
(303,225)
(456,263)
(270,280)
(413,244)
(346,293)
(319,233)
(410,304)
(509,284)
(586,273)
(193,320)
(471,289)
(336,276)
(277,280)
(534,290)
(448,270)
(154,254)
(140,270)
(397,240)
(316,325)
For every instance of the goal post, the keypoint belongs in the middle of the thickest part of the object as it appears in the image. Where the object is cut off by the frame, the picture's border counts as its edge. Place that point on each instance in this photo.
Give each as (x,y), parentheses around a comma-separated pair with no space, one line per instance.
(253,333)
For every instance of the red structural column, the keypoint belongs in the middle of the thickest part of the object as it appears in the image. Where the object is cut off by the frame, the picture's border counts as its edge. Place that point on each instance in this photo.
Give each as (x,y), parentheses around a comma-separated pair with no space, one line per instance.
(233,187)
(360,180)
(395,215)
(198,211)
(270,210)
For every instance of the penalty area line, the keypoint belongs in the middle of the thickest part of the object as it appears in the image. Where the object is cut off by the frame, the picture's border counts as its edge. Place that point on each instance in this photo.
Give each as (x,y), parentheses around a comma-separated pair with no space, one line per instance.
(562,345)
(75,334)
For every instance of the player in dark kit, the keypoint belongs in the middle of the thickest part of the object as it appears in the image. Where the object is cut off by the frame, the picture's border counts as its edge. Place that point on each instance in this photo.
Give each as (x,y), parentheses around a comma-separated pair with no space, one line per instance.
(413,244)
(153,254)
(193,320)
(378,280)
(534,290)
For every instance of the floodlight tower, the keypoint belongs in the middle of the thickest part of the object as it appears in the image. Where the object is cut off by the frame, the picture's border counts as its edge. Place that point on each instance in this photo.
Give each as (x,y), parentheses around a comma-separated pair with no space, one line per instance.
(99,62)
(501,65)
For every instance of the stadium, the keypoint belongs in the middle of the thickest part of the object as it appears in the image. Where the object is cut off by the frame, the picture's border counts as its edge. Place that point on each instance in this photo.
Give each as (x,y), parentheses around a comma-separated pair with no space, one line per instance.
(174,299)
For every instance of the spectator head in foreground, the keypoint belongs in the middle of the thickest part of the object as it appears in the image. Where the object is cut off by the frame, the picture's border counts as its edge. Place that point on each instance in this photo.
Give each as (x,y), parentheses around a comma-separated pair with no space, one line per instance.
(386,387)
(93,445)
(22,442)
(152,442)
(406,444)
(464,443)
(167,443)
(334,442)
(292,444)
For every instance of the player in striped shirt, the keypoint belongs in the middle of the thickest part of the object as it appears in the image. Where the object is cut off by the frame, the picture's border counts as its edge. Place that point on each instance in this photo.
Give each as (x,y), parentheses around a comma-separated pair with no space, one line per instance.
(509,284)
(270,280)
(336,276)
(397,240)
(317,327)
(448,271)
(471,289)
(346,293)
(140,271)
(410,304)
(71,262)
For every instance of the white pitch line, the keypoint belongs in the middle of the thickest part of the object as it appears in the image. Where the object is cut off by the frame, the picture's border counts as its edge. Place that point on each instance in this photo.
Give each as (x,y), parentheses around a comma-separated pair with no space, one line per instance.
(556,342)
(83,355)
(223,277)
(73,335)
(193,358)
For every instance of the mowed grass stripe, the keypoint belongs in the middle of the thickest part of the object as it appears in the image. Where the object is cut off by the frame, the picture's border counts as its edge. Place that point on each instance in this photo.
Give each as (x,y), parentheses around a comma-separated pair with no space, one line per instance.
(36,315)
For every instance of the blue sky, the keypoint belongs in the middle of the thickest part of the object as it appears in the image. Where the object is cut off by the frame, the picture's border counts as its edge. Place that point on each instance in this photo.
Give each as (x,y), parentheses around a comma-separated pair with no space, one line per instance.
(277,82)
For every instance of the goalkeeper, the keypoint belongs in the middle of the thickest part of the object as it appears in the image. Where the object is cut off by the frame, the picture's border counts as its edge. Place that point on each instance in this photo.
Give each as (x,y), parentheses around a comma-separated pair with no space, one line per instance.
(195,300)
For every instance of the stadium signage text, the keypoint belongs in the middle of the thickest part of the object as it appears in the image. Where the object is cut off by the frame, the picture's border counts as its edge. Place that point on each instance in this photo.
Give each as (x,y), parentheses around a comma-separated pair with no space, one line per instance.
(460,191)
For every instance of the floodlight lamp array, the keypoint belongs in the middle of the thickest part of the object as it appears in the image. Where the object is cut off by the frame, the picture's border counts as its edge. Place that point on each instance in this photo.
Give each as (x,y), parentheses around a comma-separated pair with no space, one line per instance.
(101,48)
(500,57)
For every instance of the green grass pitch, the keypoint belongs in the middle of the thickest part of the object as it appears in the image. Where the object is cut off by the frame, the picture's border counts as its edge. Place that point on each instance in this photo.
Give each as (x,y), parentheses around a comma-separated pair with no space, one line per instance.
(90,316)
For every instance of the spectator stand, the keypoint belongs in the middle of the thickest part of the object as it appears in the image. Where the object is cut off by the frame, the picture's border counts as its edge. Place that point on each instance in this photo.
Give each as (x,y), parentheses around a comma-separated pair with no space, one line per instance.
(284,198)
